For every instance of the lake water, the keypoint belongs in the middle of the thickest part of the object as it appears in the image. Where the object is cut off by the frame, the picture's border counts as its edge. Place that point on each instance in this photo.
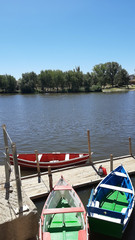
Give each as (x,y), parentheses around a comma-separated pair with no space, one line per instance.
(59,123)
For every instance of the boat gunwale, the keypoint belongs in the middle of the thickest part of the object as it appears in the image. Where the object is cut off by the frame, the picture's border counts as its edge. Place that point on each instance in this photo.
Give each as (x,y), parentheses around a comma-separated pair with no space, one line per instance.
(84,157)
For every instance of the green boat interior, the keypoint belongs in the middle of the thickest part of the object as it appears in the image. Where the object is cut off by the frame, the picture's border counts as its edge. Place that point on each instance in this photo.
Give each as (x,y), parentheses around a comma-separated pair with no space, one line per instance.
(114,201)
(115,193)
(63,226)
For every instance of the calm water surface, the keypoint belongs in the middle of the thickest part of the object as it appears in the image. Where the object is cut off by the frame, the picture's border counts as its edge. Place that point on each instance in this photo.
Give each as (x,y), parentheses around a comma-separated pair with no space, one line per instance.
(59,123)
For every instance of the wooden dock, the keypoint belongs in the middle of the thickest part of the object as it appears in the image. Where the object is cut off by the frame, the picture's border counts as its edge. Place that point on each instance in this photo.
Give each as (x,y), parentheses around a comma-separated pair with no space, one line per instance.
(11,221)
(77,176)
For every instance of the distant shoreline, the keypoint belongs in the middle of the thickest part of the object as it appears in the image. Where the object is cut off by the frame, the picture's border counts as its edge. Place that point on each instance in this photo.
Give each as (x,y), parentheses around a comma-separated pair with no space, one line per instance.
(116,89)
(53,91)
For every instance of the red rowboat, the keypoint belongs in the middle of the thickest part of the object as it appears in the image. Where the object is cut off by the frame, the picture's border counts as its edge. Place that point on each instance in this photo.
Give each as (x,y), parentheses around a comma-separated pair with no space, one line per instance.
(54,160)
(63,215)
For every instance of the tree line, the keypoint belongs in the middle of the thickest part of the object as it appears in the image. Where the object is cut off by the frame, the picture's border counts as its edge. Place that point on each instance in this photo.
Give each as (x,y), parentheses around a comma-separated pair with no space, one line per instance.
(110,73)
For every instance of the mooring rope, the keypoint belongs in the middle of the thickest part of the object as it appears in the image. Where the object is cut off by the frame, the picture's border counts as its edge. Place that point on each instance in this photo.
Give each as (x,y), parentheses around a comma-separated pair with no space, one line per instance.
(44,184)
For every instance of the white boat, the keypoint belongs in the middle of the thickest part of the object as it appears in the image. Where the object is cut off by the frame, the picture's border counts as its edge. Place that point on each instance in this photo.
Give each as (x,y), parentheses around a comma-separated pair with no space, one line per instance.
(63,215)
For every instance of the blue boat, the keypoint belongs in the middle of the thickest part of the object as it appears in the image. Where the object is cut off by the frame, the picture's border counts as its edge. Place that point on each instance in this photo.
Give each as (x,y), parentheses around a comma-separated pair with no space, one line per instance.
(111,203)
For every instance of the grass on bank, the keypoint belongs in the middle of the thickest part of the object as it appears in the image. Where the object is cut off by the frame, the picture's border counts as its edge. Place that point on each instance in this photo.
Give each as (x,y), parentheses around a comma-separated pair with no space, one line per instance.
(119,89)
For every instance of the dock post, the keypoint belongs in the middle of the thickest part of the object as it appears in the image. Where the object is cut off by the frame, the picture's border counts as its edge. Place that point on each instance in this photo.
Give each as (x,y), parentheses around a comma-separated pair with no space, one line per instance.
(7,163)
(89,147)
(38,167)
(111,162)
(18,179)
(130,146)
(50,178)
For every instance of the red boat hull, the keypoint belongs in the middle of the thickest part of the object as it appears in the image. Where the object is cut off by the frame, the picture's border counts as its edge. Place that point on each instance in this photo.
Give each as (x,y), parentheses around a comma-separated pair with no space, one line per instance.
(54,160)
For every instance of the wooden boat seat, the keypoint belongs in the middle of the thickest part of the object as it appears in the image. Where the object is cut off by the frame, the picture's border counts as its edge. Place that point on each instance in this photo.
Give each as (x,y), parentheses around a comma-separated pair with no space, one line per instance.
(123,210)
(120,174)
(95,203)
(67,157)
(64,222)
(62,187)
(62,210)
(70,220)
(120,189)
(57,223)
(39,157)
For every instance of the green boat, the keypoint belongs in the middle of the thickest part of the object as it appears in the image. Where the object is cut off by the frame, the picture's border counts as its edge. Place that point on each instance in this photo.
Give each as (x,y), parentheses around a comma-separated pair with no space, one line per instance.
(63,215)
(111,204)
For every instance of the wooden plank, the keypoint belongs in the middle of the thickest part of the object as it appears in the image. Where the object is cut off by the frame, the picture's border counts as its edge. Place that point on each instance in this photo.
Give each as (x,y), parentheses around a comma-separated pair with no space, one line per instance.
(61,187)
(120,174)
(10,221)
(120,189)
(76,177)
(62,210)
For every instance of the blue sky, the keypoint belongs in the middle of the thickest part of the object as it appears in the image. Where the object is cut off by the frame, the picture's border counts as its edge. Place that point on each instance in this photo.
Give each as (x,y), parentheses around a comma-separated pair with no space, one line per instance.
(39,35)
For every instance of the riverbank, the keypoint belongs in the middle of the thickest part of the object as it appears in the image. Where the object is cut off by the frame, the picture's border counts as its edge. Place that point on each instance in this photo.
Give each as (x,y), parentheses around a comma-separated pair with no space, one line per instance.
(119,89)
(81,90)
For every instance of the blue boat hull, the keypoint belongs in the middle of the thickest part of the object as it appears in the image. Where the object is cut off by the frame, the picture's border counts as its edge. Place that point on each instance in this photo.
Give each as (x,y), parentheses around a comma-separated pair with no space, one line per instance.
(111,204)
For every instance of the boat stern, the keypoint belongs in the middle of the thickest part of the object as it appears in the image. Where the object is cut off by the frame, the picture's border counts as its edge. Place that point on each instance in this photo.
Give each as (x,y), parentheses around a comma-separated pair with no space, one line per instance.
(104,227)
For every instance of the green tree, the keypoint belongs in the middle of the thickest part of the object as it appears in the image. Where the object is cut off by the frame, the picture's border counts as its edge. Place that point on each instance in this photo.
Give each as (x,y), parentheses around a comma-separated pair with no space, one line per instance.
(80,77)
(74,80)
(121,78)
(75,83)
(28,82)
(112,69)
(99,75)
(3,82)
(68,79)
(12,84)
(42,80)
(8,83)
(87,82)
(50,78)
(59,80)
